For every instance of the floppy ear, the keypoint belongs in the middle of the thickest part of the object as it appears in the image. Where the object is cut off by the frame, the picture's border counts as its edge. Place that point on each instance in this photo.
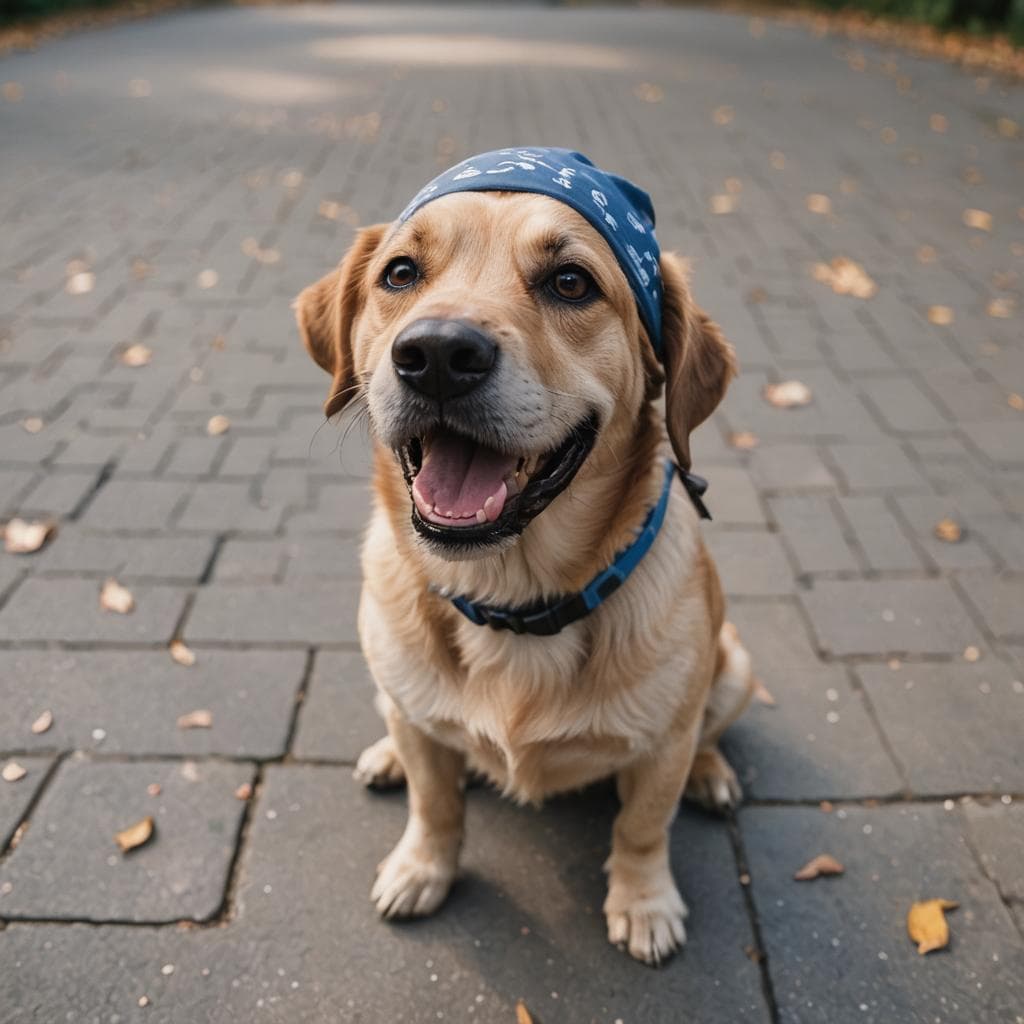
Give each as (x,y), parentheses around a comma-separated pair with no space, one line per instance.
(326,312)
(699,362)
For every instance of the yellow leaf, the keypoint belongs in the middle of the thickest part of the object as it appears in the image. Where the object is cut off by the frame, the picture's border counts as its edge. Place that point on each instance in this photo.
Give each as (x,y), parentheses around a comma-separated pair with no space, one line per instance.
(1007,128)
(1015,401)
(818,203)
(1001,308)
(115,598)
(941,315)
(744,440)
(136,835)
(948,530)
(927,925)
(22,538)
(244,791)
(978,219)
(845,277)
(182,654)
(218,425)
(823,864)
(938,123)
(522,1013)
(198,719)
(42,723)
(787,395)
(926,254)
(723,114)
(972,654)
(136,355)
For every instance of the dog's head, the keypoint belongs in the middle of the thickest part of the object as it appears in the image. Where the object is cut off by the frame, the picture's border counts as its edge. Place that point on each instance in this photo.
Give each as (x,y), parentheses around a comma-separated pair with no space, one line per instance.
(498,345)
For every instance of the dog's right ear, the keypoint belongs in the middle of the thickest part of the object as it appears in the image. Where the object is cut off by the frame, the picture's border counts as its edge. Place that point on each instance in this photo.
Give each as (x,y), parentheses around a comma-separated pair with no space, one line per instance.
(326,313)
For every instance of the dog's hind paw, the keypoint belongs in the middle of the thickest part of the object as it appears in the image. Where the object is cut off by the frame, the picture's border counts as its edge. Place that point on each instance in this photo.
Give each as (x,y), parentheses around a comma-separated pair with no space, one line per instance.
(650,928)
(378,766)
(712,782)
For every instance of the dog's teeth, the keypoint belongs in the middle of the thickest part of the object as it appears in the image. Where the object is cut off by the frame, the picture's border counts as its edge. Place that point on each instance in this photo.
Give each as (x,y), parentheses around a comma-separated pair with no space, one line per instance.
(481,515)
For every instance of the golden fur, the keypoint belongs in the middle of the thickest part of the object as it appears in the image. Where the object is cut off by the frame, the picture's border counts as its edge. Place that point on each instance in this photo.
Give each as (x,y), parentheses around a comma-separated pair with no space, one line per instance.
(641,688)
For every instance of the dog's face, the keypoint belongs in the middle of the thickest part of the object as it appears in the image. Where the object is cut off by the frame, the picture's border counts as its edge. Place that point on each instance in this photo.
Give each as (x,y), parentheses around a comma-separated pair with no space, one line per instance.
(496,339)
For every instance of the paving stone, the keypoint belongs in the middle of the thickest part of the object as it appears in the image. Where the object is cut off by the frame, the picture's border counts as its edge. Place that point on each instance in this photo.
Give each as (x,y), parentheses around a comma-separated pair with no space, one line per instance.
(817,743)
(246,560)
(954,727)
(323,558)
(343,506)
(338,718)
(129,702)
(814,535)
(999,599)
(59,494)
(732,497)
(789,467)
(903,406)
(876,467)
(997,833)
(68,867)
(306,612)
(888,617)
(221,507)
(999,442)
(15,797)
(750,563)
(775,633)
(881,537)
(924,513)
(838,948)
(68,610)
(163,557)
(129,505)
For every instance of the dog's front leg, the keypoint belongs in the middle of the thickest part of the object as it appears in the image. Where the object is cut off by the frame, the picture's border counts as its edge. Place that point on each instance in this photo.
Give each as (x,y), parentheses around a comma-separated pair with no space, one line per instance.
(644,910)
(415,877)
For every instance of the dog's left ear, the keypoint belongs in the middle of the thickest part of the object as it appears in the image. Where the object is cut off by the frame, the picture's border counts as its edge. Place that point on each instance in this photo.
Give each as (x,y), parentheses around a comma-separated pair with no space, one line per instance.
(699,362)
(326,313)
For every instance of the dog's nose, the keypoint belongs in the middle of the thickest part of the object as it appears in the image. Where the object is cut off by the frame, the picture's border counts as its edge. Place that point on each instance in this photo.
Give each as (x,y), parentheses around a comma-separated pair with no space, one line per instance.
(443,359)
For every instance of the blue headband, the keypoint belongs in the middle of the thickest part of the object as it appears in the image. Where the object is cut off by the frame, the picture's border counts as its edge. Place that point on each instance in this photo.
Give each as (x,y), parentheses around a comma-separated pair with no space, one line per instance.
(621,212)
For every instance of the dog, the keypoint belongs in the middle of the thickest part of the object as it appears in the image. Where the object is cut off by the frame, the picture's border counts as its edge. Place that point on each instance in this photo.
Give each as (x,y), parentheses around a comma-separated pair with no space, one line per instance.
(519,444)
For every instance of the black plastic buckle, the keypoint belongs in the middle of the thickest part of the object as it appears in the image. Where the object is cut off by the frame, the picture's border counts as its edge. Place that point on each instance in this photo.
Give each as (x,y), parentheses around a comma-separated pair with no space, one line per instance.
(695,487)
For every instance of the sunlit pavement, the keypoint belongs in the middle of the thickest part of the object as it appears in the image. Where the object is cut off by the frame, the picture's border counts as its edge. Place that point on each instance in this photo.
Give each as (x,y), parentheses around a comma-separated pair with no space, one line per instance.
(173,183)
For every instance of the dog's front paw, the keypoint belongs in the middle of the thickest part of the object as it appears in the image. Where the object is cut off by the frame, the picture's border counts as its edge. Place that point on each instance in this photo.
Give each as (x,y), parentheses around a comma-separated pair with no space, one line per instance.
(413,880)
(712,782)
(378,766)
(649,925)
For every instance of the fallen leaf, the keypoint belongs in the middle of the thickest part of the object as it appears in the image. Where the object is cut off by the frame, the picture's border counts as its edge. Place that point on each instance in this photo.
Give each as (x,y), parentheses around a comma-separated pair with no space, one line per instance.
(762,694)
(1001,308)
(978,219)
(136,355)
(1015,401)
(1007,128)
(817,867)
(22,538)
(927,925)
(972,654)
(522,1013)
(817,203)
(845,277)
(723,203)
(42,723)
(948,530)
(182,654)
(723,114)
(32,424)
(115,598)
(218,425)
(938,123)
(198,719)
(244,791)
(787,395)
(926,254)
(154,789)
(207,279)
(941,315)
(13,772)
(81,283)
(136,835)
(744,440)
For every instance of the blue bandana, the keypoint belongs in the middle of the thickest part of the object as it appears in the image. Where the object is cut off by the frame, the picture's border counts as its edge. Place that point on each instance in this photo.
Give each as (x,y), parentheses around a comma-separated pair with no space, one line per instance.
(621,212)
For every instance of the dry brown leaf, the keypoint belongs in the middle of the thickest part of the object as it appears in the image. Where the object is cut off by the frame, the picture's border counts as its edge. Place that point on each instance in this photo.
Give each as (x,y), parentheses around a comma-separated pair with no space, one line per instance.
(972,654)
(1015,401)
(207,279)
(523,1015)
(1001,308)
(762,694)
(940,315)
(927,925)
(13,772)
(845,277)
(134,836)
(218,425)
(938,123)
(42,723)
(926,254)
(978,219)
(817,867)
(32,424)
(244,791)
(115,598)
(744,440)
(154,789)
(723,203)
(198,719)
(136,355)
(182,654)
(787,395)
(723,114)
(818,203)
(1007,128)
(948,530)
(22,538)
(81,283)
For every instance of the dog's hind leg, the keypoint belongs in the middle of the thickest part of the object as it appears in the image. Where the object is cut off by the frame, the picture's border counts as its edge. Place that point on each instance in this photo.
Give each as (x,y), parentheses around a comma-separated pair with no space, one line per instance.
(712,782)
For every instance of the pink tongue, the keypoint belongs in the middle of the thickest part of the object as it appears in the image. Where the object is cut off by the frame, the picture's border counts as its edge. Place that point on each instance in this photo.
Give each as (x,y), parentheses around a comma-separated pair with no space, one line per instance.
(456,479)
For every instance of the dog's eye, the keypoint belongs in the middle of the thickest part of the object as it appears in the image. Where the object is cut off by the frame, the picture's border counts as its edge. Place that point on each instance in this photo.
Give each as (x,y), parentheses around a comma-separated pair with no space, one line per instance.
(401,273)
(573,284)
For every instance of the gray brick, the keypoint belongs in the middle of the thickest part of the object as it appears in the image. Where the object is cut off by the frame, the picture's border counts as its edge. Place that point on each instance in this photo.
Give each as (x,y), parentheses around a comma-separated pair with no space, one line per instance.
(732,497)
(888,617)
(923,513)
(165,557)
(880,536)
(750,563)
(903,406)
(1000,442)
(813,533)
(135,699)
(69,867)
(194,456)
(68,610)
(221,507)
(830,966)
(250,561)
(918,706)
(789,467)
(342,506)
(15,797)
(997,833)
(59,494)
(775,634)
(1000,600)
(877,467)
(125,505)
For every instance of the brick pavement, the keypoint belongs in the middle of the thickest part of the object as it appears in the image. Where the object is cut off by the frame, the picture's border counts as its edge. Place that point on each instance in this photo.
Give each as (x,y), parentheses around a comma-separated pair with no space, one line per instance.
(203,167)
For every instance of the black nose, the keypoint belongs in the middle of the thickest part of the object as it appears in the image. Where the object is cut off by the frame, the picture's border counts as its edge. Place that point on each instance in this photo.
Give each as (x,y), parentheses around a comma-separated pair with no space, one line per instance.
(443,359)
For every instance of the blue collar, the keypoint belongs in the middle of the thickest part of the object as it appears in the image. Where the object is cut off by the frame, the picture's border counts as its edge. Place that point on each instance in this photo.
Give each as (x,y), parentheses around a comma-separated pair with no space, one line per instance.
(543,619)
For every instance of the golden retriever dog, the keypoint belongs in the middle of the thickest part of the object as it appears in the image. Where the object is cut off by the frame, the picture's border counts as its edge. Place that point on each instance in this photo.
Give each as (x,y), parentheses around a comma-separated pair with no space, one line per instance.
(519,444)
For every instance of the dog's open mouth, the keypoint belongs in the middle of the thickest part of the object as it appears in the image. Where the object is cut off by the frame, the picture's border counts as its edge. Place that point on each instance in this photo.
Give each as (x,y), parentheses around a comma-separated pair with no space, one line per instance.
(466,493)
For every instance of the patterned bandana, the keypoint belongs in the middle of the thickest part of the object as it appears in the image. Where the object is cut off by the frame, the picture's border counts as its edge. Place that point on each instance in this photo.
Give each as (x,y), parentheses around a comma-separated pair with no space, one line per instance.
(621,212)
